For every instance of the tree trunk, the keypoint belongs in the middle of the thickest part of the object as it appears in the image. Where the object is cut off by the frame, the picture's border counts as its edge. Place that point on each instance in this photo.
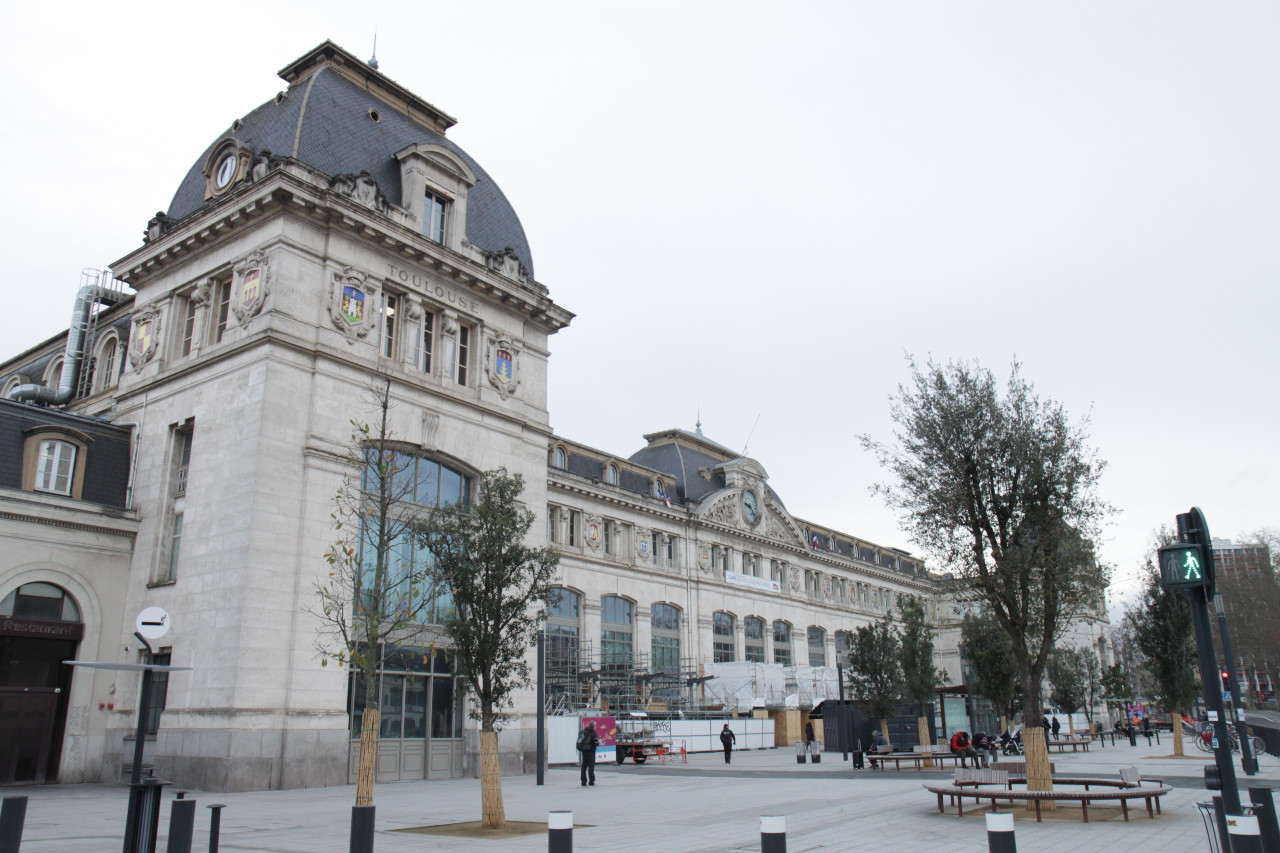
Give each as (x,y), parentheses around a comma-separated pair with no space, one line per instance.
(367,770)
(1004,724)
(1071,726)
(1039,777)
(884,730)
(493,814)
(922,727)
(1177,733)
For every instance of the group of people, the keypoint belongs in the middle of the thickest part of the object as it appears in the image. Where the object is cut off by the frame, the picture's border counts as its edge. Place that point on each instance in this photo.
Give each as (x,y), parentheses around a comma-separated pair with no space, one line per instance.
(981,748)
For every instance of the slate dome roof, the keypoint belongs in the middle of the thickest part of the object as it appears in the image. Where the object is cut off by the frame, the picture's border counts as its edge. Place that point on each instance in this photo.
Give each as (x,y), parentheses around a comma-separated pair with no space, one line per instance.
(324,122)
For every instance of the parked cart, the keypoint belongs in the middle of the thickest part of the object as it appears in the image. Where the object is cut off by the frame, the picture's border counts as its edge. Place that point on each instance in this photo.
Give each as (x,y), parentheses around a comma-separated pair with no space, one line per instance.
(639,745)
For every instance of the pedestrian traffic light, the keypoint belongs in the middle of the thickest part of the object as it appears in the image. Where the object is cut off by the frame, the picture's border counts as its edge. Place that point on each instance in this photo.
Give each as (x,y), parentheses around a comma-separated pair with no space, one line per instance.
(1182,566)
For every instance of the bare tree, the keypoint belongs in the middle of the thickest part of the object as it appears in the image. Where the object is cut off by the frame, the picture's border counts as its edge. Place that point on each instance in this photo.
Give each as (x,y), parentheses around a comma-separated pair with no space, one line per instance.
(373,593)
(1250,592)
(1001,488)
(499,587)
(1068,677)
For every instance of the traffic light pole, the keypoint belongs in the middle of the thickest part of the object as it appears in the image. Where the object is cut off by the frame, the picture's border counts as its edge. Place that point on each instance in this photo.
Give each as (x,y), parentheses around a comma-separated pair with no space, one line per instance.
(1248,761)
(1213,699)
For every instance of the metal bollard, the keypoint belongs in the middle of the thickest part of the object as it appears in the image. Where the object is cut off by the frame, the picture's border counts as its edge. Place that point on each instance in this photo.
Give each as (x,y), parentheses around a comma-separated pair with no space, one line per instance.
(12,816)
(1000,838)
(182,824)
(362,829)
(1244,833)
(215,825)
(773,834)
(1265,808)
(559,832)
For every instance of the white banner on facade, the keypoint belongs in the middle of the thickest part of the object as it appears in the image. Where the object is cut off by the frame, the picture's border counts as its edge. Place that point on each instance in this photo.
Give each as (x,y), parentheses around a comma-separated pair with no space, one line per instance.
(753,582)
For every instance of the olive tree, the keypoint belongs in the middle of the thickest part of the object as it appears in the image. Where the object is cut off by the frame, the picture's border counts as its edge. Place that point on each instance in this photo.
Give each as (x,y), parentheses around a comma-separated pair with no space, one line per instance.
(875,671)
(499,586)
(993,667)
(1000,487)
(920,678)
(1165,636)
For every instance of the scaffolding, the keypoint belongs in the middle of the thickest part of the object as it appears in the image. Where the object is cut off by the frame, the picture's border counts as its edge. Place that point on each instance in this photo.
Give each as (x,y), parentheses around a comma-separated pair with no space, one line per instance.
(580,678)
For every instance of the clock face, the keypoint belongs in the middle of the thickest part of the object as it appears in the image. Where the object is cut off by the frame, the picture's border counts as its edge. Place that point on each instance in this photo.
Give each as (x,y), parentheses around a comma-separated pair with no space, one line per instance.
(750,506)
(226,171)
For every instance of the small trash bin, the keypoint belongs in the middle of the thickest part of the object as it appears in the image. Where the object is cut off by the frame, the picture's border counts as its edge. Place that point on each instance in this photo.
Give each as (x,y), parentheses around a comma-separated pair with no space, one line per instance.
(799,752)
(815,753)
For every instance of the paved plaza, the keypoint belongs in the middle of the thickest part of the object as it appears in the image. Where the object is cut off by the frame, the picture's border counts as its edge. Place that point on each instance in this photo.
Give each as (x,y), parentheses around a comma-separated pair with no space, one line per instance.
(703,805)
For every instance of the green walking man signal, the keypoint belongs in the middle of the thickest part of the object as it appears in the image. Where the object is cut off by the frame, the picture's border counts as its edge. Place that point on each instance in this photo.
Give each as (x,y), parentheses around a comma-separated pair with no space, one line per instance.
(1182,566)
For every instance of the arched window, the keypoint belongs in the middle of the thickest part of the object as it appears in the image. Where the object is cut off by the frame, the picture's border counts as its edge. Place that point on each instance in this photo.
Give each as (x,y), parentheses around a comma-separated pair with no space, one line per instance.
(13,382)
(817,646)
(105,368)
(616,619)
(665,642)
(611,475)
(53,373)
(564,627)
(782,643)
(753,635)
(722,637)
(40,601)
(844,642)
(559,459)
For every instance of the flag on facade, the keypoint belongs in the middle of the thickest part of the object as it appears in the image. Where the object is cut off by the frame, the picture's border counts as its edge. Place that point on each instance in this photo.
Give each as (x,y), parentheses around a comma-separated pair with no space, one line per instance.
(816,541)
(662,495)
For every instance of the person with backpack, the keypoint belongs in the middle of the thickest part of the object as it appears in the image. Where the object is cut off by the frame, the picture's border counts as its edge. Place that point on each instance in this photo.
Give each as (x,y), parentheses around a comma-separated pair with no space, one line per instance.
(588,740)
(727,740)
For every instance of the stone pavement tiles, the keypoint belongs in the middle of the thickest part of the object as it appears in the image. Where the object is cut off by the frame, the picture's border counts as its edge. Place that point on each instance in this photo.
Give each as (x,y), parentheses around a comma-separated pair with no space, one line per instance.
(698,807)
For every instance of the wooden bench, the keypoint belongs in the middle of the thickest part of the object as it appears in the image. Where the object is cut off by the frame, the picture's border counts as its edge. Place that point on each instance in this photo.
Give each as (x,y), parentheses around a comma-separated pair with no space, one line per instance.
(1123,792)
(1061,745)
(917,756)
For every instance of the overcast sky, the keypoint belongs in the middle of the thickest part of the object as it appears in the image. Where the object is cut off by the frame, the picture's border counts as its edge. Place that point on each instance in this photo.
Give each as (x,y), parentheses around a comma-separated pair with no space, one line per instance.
(755,209)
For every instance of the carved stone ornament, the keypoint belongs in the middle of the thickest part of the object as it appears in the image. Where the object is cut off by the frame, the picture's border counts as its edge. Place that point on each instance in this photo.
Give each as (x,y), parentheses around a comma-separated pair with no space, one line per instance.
(828,588)
(644,544)
(724,510)
(704,557)
(202,292)
(775,530)
(795,582)
(430,428)
(502,366)
(252,286)
(159,225)
(593,533)
(363,190)
(145,336)
(507,263)
(352,297)
(264,163)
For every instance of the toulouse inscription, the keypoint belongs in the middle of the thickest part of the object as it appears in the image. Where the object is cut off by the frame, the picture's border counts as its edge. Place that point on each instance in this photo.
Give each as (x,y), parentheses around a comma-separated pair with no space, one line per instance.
(432,288)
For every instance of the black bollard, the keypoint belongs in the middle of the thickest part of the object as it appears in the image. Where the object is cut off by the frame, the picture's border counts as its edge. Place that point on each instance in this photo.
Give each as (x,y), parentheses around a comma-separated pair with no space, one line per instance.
(182,824)
(1000,838)
(12,816)
(215,825)
(773,834)
(362,829)
(559,832)
(1265,808)
(1244,834)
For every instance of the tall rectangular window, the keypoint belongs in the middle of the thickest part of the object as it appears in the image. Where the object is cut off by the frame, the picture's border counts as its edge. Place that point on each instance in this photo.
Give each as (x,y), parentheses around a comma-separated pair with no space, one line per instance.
(223,294)
(387,343)
(175,545)
(464,355)
(425,342)
(605,527)
(188,326)
(433,217)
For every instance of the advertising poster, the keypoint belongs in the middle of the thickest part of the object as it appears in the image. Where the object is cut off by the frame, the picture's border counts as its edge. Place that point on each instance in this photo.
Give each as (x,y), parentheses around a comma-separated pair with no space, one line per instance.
(607,731)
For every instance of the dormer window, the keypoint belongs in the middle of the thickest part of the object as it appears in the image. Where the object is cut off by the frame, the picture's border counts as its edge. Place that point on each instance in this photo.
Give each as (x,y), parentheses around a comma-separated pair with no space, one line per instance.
(611,475)
(433,217)
(559,459)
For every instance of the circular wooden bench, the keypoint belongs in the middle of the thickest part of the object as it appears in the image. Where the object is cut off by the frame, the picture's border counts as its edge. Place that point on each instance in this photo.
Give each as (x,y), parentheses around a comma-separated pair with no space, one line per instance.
(1122,793)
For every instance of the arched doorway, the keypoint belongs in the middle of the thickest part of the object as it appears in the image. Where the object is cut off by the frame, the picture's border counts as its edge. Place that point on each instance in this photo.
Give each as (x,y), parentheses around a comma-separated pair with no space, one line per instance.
(40,627)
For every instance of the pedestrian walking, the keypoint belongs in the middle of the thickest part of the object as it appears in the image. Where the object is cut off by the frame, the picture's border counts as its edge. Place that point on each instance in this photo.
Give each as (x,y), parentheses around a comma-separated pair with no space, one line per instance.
(1056,726)
(588,740)
(808,736)
(727,740)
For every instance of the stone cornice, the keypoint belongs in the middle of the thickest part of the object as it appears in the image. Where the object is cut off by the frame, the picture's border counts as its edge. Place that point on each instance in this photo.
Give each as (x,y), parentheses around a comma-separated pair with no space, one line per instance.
(86,527)
(284,191)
